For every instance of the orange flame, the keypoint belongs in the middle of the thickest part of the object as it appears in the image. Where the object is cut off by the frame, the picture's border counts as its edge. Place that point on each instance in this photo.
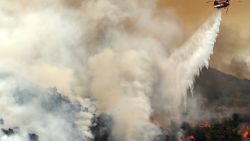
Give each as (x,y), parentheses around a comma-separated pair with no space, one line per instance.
(191,137)
(245,133)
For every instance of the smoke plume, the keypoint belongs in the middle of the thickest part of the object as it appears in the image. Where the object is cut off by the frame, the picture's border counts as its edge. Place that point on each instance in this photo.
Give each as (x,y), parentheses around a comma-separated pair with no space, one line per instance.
(117,53)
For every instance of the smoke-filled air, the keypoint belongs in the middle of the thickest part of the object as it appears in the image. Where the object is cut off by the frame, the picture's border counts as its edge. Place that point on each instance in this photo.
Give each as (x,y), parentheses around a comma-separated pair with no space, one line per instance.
(68,67)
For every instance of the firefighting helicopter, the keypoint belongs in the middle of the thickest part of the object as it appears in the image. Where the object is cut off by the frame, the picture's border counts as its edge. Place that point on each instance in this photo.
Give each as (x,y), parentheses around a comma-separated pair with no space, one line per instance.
(219,4)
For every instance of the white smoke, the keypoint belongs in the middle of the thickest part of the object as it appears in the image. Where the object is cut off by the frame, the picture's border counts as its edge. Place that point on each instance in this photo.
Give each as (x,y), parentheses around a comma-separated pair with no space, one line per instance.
(45,113)
(117,52)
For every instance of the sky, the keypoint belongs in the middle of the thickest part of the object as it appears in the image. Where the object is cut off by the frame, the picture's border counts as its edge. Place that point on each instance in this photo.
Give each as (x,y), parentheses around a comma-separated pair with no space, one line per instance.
(232,52)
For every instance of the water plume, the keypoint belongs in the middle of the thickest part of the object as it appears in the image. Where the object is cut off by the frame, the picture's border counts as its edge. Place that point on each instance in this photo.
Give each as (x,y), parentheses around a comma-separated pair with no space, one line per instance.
(181,67)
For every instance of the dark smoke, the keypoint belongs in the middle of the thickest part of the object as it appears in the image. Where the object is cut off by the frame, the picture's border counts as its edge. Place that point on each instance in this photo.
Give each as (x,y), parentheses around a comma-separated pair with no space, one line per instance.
(223,92)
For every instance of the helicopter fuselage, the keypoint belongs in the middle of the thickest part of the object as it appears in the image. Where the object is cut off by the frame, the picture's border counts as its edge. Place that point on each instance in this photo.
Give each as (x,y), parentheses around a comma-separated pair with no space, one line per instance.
(222,4)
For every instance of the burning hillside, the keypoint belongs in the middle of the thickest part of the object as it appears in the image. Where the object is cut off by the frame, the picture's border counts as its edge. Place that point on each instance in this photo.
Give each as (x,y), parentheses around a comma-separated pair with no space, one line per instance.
(232,126)
(229,129)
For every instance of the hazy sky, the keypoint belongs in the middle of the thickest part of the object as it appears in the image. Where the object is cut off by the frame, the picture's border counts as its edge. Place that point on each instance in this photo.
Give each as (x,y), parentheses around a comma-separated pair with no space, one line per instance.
(232,51)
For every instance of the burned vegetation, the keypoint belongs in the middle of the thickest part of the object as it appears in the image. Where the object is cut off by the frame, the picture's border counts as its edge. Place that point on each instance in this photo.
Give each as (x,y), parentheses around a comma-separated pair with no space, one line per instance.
(229,129)
(9,132)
